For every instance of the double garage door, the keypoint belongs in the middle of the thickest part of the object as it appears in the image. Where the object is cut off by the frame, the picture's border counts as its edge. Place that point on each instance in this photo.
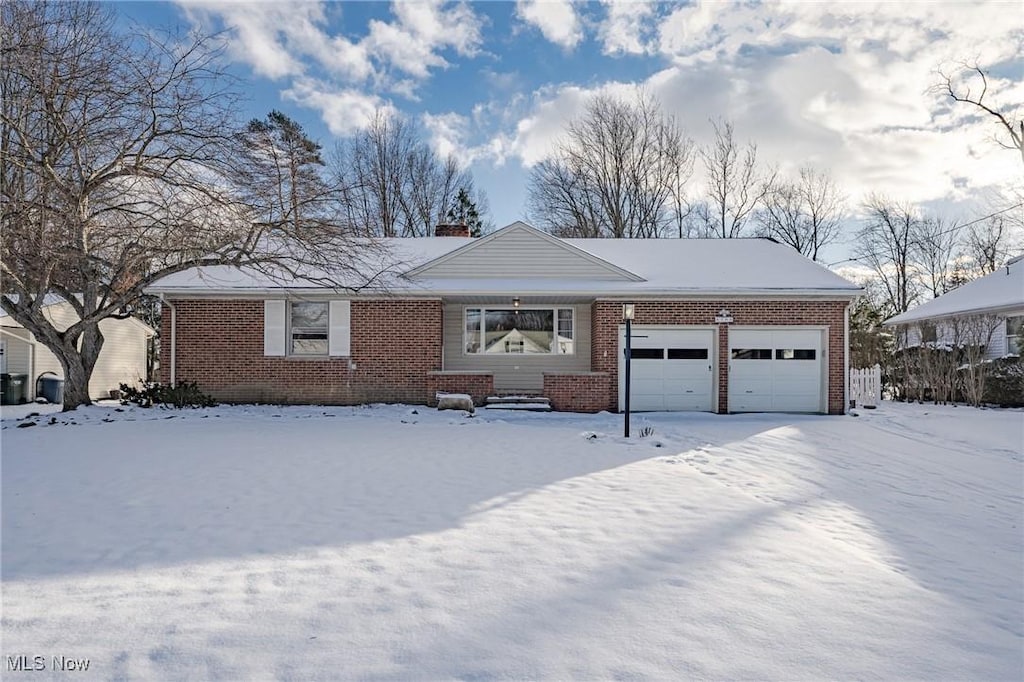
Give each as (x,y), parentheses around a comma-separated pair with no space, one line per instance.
(770,370)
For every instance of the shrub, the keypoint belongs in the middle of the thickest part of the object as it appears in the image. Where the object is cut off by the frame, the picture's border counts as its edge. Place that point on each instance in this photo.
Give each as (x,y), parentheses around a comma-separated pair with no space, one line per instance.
(184,394)
(1005,382)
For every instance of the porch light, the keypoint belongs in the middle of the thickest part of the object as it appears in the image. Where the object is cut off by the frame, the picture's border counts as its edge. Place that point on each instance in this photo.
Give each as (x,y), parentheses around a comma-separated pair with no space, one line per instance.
(628,311)
(515,302)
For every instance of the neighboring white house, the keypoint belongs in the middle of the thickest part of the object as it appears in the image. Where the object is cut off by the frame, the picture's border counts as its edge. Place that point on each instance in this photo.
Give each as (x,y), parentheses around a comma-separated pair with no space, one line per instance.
(998,296)
(122,359)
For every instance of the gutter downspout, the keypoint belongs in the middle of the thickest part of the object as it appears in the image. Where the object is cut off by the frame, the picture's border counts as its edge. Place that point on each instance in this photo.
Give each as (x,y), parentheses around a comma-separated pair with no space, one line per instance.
(173,339)
(846,359)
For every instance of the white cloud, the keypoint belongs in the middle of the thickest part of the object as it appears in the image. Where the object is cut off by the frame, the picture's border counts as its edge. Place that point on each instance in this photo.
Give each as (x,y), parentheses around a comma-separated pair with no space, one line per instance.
(448,134)
(556,19)
(293,42)
(345,111)
(627,27)
(844,87)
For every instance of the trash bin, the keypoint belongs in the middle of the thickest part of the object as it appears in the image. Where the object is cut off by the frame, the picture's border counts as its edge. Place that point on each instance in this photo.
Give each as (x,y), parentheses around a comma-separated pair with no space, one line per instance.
(51,388)
(12,388)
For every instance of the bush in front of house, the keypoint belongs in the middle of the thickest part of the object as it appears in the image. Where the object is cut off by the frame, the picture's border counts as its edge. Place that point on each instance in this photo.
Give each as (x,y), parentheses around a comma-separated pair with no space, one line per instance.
(1004,384)
(184,394)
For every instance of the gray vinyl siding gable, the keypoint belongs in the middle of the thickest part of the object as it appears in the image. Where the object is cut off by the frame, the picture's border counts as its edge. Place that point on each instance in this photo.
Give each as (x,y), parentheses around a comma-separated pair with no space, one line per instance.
(519,253)
(515,372)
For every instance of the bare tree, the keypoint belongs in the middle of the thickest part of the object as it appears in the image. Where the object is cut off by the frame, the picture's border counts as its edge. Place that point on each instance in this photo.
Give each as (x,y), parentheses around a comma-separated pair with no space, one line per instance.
(968,84)
(120,163)
(805,214)
(394,184)
(988,244)
(935,243)
(735,183)
(620,170)
(886,245)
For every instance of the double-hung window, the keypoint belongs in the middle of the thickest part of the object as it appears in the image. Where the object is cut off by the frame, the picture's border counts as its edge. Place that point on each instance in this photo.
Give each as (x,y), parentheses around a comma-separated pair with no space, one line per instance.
(1014,335)
(526,331)
(308,328)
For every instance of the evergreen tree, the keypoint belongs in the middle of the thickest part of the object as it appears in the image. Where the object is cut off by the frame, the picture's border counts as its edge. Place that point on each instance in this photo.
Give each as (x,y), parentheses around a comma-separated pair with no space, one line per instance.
(464,212)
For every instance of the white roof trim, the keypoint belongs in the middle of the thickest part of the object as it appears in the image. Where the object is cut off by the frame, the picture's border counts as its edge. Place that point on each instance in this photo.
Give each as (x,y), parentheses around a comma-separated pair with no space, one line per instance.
(521,226)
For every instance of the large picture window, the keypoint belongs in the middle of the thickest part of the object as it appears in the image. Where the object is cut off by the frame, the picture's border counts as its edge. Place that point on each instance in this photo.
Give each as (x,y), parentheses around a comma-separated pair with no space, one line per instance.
(308,325)
(526,331)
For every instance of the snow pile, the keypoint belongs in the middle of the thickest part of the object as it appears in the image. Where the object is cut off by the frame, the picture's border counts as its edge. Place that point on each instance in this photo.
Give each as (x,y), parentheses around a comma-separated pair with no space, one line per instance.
(313,543)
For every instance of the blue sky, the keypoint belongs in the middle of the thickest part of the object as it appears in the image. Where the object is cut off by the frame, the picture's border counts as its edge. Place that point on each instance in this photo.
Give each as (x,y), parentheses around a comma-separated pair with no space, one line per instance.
(846,87)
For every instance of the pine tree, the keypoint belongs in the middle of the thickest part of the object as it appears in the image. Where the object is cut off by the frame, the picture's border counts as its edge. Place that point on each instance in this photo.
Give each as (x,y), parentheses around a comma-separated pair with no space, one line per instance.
(464,212)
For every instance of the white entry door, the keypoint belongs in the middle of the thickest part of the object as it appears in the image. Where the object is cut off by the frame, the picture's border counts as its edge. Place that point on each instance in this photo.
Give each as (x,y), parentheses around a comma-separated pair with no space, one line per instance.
(775,370)
(671,369)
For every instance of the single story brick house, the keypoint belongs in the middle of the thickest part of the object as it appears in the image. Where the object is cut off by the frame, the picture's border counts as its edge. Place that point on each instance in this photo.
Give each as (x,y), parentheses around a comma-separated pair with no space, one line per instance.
(737,325)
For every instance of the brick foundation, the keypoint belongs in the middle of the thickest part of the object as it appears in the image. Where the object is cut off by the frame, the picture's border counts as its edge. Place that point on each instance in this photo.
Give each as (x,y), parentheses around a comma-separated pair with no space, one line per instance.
(478,385)
(578,391)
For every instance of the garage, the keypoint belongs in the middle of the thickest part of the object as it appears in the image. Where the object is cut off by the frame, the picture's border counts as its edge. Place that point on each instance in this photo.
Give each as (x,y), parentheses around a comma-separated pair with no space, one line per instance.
(776,370)
(672,369)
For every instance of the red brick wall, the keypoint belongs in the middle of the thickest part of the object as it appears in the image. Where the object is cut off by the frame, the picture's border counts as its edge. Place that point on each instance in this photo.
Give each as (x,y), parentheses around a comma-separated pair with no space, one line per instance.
(395,344)
(478,386)
(582,392)
(607,315)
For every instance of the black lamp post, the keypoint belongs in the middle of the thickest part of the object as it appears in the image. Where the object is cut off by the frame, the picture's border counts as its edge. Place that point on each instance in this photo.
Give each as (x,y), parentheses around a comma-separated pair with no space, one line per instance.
(628,310)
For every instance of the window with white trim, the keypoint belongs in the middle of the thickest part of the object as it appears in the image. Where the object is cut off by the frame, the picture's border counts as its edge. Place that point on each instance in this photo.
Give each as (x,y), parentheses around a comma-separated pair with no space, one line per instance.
(308,328)
(1014,335)
(526,331)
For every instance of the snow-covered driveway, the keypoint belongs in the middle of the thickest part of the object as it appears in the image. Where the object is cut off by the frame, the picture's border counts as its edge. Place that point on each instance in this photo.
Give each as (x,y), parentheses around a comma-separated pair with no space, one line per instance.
(379,543)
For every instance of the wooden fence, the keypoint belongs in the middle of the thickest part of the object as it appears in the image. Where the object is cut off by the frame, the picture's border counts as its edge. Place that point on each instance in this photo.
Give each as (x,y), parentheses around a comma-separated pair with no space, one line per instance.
(866,386)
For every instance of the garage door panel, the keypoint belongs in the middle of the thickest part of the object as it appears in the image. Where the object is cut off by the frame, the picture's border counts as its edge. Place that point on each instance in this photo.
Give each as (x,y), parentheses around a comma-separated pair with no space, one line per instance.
(671,369)
(686,372)
(777,370)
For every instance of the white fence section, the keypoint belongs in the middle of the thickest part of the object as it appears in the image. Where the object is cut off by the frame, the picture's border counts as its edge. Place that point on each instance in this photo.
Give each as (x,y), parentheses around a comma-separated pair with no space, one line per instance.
(866,386)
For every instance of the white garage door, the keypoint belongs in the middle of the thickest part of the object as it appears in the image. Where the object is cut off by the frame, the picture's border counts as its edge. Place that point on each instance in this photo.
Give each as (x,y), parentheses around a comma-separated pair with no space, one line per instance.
(671,368)
(773,370)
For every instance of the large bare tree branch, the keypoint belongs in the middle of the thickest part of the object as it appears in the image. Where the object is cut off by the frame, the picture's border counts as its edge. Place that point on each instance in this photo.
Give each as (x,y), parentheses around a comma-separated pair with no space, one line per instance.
(957,87)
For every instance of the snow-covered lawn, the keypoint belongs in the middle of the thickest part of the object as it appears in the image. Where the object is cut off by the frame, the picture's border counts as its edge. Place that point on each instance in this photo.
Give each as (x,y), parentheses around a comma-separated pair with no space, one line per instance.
(391,543)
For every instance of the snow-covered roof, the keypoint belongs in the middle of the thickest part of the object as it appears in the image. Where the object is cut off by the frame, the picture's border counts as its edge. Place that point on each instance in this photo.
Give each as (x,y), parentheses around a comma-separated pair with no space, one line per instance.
(664,266)
(1000,291)
(48,299)
(57,299)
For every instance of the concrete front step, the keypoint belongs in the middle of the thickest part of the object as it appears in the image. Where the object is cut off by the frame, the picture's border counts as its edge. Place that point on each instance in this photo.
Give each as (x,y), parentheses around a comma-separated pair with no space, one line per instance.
(529,403)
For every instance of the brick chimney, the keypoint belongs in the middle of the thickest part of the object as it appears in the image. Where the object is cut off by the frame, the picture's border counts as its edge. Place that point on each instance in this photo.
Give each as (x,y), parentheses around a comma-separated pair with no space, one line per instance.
(451,230)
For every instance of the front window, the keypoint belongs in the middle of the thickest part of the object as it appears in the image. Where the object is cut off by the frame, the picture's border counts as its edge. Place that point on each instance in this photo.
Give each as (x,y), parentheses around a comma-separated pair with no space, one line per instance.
(526,331)
(308,328)
(1014,334)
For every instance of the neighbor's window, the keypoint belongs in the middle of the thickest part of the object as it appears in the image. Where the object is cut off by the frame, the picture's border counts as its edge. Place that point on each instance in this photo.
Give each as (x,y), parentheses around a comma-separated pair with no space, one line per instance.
(527,331)
(1014,335)
(309,328)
